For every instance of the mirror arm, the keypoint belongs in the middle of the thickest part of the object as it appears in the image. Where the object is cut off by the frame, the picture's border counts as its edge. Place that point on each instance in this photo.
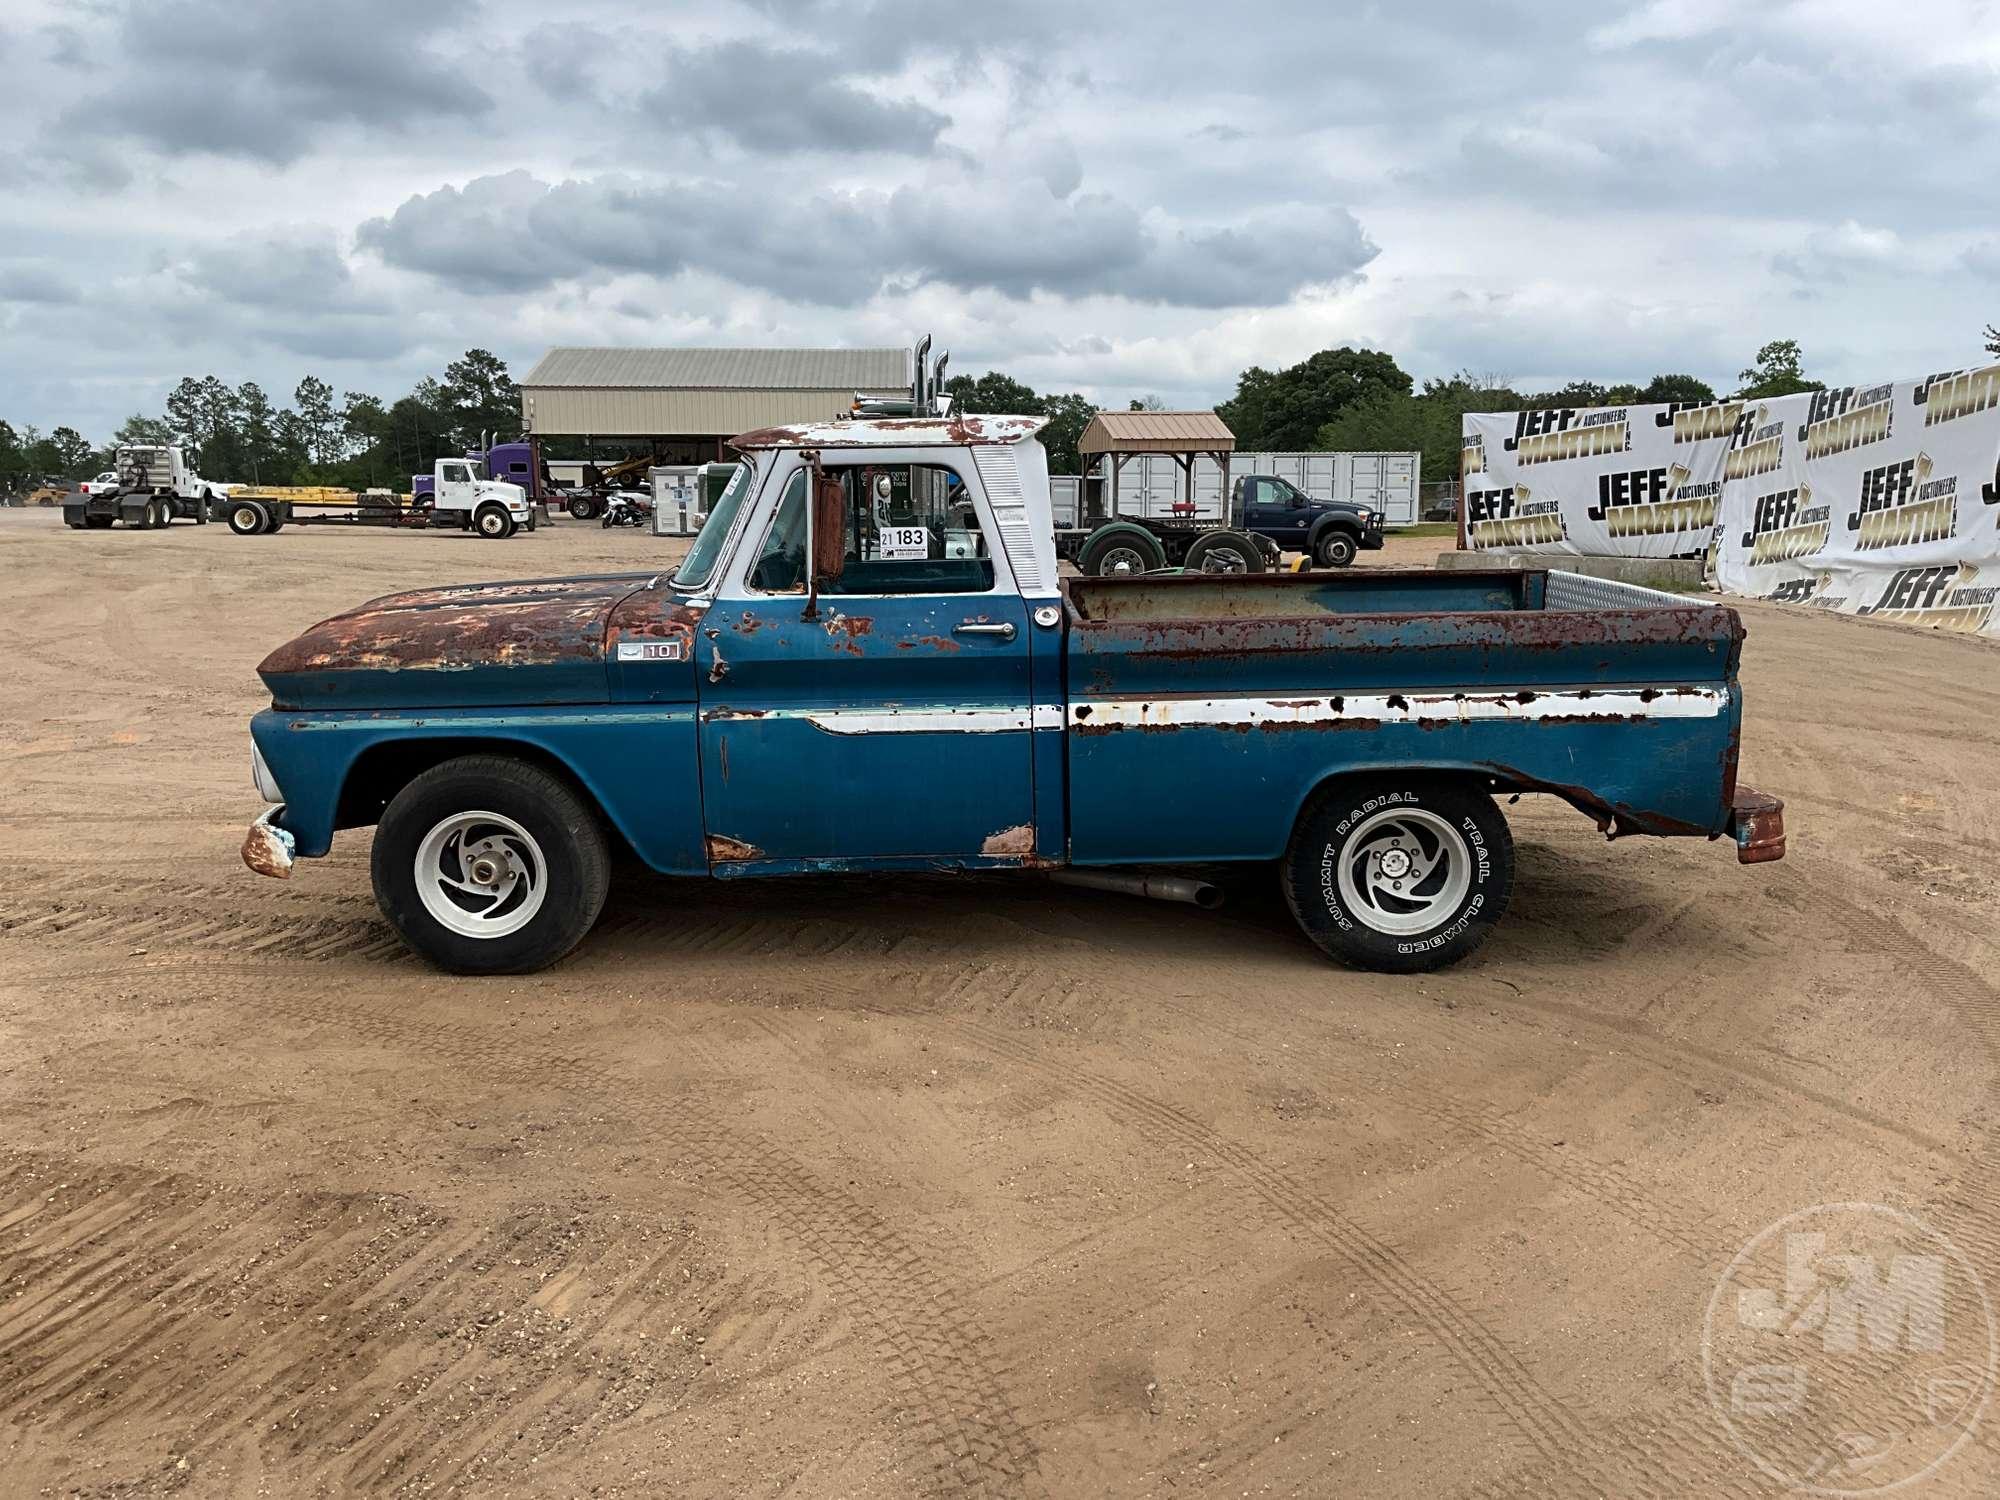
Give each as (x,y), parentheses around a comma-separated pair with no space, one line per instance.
(812,541)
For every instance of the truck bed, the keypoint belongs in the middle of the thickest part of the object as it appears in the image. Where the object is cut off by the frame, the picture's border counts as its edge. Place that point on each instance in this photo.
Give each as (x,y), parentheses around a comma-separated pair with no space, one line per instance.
(1621,700)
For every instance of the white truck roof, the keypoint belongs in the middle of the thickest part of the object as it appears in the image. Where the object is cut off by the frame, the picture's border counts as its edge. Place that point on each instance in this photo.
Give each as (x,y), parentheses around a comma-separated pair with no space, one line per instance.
(895,432)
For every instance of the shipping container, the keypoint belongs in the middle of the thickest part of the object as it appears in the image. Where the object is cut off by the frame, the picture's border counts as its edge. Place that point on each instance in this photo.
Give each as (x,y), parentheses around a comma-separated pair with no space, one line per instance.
(1063,492)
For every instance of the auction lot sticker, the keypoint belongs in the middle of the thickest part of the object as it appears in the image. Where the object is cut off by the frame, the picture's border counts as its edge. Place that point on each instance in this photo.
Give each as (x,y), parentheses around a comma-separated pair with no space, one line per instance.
(1850,1349)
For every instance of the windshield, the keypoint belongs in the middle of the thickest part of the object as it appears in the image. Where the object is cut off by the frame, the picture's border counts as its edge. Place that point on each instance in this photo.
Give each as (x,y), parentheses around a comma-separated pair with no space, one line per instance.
(702,557)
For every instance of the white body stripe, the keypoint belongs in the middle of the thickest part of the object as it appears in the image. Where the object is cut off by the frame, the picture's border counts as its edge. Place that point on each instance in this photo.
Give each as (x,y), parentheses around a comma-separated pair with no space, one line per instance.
(906,720)
(1231,713)
(1412,707)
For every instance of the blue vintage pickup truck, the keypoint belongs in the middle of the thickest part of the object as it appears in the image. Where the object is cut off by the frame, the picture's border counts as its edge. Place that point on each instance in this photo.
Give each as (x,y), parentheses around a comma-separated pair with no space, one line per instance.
(868,661)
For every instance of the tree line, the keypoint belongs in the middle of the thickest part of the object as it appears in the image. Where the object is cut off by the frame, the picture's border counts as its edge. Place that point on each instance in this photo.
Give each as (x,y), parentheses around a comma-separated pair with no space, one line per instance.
(1361,401)
(354,441)
(1347,400)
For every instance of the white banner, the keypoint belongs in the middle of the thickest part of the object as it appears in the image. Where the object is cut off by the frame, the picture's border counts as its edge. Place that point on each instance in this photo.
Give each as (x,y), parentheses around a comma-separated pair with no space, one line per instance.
(1869,500)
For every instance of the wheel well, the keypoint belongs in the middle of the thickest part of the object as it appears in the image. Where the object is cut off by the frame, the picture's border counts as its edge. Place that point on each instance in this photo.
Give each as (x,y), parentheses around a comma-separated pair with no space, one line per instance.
(383,770)
(1462,776)
(1336,523)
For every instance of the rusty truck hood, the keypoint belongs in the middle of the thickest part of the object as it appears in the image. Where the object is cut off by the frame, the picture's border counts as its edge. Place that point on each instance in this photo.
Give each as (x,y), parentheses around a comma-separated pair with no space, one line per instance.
(539,640)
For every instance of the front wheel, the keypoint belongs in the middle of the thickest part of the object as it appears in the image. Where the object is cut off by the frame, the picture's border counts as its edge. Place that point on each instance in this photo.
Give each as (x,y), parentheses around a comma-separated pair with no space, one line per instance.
(1335,550)
(488,865)
(493,522)
(1399,874)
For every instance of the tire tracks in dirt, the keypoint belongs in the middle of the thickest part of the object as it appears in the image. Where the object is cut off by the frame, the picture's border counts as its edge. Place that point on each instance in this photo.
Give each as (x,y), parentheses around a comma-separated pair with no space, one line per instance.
(950,1404)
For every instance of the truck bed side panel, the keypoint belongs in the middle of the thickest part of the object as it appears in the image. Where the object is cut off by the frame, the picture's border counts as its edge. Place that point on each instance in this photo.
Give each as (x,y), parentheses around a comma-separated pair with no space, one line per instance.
(1201,740)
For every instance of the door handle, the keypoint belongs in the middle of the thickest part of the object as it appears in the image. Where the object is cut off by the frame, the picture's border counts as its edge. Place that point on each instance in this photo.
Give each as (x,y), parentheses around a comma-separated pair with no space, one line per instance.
(1004,629)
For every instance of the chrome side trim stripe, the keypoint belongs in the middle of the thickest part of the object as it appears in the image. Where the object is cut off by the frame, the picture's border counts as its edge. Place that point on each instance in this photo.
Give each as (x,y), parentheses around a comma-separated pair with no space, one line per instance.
(1392,708)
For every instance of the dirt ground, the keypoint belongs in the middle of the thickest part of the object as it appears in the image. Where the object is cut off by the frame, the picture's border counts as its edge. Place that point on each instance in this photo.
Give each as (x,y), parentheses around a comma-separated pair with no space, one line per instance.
(925,1186)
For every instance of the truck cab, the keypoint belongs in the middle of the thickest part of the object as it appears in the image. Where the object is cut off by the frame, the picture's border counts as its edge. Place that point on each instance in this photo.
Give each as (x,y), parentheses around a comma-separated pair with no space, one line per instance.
(1330,532)
(150,486)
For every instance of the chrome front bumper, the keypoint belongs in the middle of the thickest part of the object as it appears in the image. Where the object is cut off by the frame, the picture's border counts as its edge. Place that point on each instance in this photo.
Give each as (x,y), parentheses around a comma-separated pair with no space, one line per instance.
(267,848)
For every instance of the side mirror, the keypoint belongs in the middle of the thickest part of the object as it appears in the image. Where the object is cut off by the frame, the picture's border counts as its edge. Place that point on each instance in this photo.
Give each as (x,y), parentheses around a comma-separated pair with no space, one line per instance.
(829,528)
(826,531)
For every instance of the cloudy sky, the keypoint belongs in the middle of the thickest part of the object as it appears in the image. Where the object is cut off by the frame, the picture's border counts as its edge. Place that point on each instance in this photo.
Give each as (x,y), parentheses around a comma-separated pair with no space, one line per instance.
(1118,198)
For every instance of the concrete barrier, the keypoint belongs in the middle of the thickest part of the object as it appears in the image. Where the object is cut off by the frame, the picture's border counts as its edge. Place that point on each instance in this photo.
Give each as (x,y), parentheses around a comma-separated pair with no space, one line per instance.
(1679,573)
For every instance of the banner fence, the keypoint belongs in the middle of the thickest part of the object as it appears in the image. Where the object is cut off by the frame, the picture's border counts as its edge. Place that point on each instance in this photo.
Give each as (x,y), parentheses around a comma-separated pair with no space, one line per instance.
(1867,500)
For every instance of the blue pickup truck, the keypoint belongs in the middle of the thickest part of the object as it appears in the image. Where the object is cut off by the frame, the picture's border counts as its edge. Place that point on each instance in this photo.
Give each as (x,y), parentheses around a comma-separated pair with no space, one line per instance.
(867,661)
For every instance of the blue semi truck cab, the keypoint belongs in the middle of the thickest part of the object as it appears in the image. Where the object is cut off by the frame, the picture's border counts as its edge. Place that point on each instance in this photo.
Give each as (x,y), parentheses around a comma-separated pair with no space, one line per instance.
(868,661)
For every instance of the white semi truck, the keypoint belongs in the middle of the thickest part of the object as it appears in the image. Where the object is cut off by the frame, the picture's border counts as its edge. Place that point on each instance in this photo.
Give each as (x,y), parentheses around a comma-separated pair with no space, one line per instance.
(151,486)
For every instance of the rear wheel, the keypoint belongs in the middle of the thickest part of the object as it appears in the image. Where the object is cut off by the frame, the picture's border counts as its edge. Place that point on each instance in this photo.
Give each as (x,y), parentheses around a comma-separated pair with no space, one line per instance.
(582,507)
(160,514)
(246,519)
(488,865)
(1117,551)
(1336,549)
(1399,874)
(1225,552)
(98,523)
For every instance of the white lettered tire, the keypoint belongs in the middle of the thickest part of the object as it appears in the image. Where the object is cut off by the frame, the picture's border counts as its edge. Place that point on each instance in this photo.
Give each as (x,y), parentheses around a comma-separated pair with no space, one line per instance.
(490,865)
(1399,874)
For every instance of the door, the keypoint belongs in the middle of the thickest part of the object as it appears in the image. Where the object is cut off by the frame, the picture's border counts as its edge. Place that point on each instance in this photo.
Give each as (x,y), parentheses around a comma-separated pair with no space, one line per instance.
(455,488)
(1368,480)
(894,725)
(1274,509)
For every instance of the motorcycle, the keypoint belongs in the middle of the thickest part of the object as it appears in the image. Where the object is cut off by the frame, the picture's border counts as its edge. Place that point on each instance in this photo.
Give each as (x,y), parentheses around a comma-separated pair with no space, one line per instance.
(627,508)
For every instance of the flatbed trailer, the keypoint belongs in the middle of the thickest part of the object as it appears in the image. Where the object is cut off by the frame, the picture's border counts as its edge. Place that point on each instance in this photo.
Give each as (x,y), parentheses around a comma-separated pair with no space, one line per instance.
(490,510)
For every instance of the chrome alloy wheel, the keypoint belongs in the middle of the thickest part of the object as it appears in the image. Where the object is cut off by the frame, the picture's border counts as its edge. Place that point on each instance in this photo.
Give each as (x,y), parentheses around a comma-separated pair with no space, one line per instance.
(1120,562)
(481,875)
(1404,871)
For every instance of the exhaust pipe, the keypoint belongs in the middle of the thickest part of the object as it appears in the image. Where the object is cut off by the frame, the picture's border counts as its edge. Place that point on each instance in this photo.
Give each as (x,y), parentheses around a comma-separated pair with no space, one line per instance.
(1157,887)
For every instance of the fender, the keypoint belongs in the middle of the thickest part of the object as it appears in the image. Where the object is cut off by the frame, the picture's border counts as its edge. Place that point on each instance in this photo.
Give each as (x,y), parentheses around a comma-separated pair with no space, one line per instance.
(637,762)
(1333,522)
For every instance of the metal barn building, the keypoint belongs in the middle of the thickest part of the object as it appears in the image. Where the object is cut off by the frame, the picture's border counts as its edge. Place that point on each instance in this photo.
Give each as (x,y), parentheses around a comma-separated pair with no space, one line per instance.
(686,403)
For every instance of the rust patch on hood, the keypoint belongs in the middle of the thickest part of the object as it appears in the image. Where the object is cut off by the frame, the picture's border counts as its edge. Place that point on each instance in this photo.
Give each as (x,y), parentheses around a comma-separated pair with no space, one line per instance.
(532,622)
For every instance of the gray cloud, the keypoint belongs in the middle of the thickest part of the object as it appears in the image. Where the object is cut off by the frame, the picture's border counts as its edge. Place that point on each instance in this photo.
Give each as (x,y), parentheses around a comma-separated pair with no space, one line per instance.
(289,270)
(513,233)
(35,281)
(768,98)
(264,81)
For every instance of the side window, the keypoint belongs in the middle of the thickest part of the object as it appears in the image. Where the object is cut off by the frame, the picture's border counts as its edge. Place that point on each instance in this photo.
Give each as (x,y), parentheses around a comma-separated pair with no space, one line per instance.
(907,529)
(780,567)
(456,474)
